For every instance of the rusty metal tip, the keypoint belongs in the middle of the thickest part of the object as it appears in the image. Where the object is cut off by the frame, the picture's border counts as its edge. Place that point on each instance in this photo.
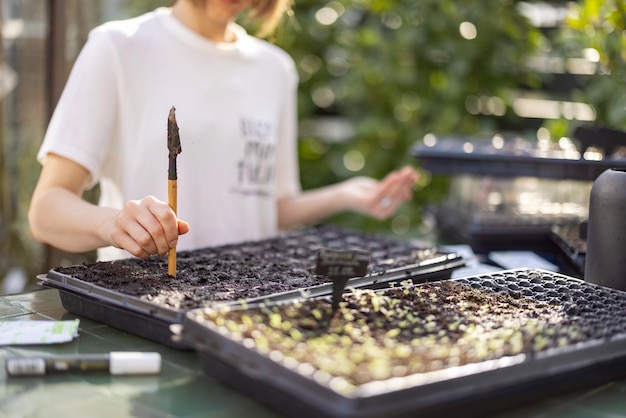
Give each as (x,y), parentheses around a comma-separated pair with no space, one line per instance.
(171,118)
(173,138)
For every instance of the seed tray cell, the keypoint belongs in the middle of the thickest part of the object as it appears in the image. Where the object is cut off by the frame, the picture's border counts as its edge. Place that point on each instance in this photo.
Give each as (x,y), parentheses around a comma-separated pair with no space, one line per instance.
(479,344)
(131,293)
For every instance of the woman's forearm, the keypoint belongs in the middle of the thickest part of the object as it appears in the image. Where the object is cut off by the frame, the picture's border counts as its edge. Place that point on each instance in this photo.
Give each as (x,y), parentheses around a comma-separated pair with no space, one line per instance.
(64,220)
(365,195)
(310,207)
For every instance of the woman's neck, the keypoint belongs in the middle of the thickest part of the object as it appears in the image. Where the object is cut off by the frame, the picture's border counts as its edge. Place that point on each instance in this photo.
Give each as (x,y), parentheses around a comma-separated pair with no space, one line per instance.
(199,21)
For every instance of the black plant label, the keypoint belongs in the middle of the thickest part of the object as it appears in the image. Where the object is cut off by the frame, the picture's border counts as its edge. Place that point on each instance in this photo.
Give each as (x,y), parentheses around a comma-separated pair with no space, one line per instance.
(339,266)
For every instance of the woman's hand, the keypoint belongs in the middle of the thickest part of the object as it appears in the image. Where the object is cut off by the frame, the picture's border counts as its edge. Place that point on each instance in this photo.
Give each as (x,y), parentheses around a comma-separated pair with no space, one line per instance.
(376,198)
(59,216)
(144,227)
(381,199)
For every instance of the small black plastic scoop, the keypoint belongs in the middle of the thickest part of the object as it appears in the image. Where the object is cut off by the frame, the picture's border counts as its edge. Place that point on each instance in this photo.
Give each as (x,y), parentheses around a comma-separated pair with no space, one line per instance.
(339,266)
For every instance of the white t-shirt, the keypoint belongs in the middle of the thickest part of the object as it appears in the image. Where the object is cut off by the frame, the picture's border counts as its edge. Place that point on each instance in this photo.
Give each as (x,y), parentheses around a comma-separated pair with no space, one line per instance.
(236,111)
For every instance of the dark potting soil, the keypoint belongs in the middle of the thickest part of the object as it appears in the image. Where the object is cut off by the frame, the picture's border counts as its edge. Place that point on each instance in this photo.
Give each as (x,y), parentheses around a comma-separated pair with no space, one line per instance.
(378,335)
(244,270)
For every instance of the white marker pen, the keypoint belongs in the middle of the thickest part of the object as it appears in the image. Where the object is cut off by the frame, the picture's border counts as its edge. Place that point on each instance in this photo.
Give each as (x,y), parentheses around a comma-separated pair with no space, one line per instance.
(116,363)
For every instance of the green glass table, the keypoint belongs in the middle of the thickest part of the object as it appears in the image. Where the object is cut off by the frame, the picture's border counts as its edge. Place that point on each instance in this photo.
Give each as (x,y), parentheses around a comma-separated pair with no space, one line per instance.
(181,389)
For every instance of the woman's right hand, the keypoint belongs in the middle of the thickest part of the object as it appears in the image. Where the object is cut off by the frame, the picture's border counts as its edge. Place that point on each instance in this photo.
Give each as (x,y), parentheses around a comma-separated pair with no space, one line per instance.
(59,216)
(145,227)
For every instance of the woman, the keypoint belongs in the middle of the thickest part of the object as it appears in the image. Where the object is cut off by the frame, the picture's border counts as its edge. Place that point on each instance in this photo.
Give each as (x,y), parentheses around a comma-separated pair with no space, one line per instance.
(235,100)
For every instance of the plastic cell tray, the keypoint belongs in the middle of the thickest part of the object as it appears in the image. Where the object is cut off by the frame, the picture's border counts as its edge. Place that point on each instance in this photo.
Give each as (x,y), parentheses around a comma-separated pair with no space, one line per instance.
(152,320)
(489,231)
(451,155)
(572,242)
(482,387)
(570,239)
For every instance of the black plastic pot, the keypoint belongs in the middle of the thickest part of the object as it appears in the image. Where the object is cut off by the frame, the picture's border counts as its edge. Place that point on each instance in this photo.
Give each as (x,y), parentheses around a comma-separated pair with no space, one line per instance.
(606,232)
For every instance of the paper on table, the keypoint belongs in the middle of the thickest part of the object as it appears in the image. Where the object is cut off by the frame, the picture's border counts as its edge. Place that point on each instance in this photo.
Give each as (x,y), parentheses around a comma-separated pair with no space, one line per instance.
(521,259)
(472,266)
(37,332)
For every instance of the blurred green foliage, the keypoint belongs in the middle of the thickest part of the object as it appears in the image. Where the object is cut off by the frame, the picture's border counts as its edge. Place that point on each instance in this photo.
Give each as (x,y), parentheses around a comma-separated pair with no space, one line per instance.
(396,70)
(601,26)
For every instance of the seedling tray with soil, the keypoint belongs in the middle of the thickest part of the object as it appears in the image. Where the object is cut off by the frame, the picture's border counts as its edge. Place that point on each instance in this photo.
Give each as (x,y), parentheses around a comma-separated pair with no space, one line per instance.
(464,346)
(139,296)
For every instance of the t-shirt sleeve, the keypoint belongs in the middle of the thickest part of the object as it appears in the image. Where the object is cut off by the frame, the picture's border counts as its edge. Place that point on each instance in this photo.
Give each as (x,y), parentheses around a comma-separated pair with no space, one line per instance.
(288,168)
(82,127)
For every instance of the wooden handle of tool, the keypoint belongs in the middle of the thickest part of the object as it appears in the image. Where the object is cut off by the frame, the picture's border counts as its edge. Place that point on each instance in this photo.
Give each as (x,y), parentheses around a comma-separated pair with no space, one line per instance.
(172,199)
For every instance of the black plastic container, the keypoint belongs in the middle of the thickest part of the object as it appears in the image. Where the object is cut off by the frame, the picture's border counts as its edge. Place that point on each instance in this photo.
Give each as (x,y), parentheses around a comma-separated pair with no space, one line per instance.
(512,157)
(503,230)
(300,390)
(144,315)
(506,193)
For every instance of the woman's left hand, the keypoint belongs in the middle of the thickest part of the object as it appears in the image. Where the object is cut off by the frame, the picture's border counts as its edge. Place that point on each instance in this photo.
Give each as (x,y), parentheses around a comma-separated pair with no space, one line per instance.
(381,199)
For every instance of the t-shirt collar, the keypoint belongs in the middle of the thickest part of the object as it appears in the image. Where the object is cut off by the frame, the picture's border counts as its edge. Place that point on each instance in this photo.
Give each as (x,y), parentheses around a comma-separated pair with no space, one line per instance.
(241,45)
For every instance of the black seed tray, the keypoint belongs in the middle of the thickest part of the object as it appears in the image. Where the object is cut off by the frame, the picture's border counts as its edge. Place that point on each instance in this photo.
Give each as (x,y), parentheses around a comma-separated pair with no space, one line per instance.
(542,334)
(139,297)
(507,230)
(572,244)
(448,156)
